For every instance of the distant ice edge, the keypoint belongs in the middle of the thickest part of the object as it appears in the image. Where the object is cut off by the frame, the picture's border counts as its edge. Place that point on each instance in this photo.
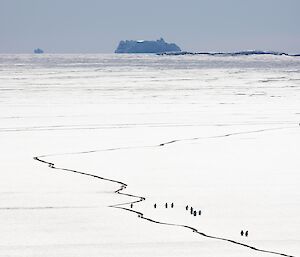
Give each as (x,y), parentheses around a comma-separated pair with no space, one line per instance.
(240,53)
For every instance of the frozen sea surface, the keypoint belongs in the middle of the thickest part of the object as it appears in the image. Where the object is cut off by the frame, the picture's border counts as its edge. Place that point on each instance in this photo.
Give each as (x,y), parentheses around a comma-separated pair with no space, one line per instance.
(220,134)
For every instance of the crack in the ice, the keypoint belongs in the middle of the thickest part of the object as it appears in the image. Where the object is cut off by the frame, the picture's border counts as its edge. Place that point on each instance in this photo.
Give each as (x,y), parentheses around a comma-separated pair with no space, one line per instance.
(169,142)
(42,208)
(123,186)
(122,126)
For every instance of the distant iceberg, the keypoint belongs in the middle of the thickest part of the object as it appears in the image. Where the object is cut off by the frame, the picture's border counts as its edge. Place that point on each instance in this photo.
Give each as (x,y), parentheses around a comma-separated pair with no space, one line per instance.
(38,51)
(143,46)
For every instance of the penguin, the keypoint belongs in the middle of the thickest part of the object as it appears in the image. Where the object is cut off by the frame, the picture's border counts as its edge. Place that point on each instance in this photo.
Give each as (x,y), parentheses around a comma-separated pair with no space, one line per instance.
(246,233)
(242,233)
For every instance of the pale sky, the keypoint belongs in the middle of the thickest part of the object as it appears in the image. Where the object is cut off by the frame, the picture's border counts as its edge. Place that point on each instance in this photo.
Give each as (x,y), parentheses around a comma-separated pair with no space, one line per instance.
(96,26)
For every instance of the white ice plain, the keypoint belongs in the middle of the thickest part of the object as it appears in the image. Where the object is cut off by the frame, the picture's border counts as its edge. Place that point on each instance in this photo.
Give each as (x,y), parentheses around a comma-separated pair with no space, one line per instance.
(220,134)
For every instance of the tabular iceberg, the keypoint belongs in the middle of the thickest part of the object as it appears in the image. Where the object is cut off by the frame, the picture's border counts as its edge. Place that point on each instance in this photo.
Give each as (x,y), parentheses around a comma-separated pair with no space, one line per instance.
(142,46)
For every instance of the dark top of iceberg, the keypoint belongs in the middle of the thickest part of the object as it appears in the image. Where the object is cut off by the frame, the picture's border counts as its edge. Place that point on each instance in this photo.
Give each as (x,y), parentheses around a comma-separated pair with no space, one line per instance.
(38,51)
(142,46)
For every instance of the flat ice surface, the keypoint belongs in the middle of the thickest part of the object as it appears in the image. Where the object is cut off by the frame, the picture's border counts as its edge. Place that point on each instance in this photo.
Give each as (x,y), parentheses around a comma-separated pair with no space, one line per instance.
(220,134)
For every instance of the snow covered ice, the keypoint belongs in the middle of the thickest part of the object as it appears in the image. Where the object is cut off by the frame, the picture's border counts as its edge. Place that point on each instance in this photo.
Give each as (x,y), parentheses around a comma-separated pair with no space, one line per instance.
(220,134)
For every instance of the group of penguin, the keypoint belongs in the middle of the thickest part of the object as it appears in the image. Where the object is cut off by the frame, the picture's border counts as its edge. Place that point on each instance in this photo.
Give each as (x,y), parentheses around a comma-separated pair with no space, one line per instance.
(246,233)
(166,205)
(192,210)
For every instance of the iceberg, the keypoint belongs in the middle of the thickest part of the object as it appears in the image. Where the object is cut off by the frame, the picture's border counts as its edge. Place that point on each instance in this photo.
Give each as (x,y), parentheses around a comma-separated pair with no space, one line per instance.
(143,46)
(38,51)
